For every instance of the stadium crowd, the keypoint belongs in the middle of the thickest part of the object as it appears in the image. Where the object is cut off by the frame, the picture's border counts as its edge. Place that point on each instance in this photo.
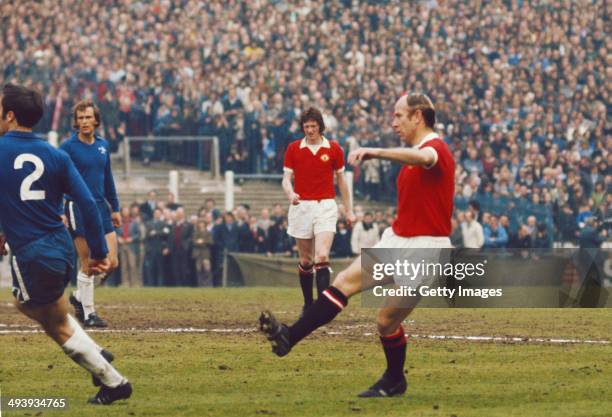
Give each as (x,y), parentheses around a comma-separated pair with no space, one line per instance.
(521,88)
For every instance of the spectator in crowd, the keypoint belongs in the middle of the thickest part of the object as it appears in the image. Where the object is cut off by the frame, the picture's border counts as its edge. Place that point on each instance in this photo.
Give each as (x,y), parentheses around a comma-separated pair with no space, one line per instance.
(591,236)
(217,250)
(137,231)
(541,239)
(495,236)
(456,236)
(279,242)
(179,244)
(371,170)
(154,244)
(128,241)
(255,239)
(229,238)
(278,213)
(171,203)
(365,234)
(472,232)
(521,239)
(264,222)
(341,246)
(202,241)
(148,207)
(210,207)
(168,217)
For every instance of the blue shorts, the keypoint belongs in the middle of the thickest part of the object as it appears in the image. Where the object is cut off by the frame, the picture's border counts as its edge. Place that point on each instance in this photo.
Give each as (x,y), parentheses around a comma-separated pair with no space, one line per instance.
(75,218)
(42,269)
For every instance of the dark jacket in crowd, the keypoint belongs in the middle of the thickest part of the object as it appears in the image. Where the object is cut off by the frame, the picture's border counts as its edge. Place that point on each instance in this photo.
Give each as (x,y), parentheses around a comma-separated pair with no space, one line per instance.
(341,247)
(179,245)
(229,237)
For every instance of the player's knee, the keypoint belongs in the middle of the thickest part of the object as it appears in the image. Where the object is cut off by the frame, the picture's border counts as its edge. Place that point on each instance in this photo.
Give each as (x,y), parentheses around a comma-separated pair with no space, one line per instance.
(346,284)
(321,257)
(306,259)
(387,325)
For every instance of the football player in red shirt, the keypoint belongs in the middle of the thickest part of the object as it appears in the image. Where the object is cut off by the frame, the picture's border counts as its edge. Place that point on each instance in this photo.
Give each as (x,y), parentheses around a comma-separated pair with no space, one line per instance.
(312,163)
(425,202)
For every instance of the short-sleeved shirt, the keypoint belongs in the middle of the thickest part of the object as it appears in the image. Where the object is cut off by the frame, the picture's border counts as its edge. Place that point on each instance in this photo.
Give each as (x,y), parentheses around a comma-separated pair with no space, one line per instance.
(425,194)
(314,167)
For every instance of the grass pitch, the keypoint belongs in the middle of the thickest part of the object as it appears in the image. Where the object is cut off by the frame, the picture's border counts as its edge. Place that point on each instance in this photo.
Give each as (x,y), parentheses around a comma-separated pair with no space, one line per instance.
(222,367)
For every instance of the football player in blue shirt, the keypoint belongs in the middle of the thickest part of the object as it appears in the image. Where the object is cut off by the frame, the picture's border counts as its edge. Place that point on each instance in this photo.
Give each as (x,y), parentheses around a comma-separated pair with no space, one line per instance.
(33,179)
(91,156)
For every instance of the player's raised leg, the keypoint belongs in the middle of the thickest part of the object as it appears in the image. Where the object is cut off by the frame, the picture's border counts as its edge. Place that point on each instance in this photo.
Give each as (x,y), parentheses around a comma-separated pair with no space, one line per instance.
(332,301)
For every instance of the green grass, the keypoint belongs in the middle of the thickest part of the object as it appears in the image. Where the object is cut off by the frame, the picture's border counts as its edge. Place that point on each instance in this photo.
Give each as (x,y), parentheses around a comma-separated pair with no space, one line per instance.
(234,374)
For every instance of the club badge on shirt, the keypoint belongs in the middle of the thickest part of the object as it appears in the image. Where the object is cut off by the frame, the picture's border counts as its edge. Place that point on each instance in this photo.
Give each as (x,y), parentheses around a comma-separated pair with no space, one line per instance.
(102,150)
(325,157)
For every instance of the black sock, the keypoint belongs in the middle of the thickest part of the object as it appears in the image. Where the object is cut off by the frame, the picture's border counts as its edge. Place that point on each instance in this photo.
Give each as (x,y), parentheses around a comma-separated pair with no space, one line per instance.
(306,273)
(331,302)
(394,346)
(322,274)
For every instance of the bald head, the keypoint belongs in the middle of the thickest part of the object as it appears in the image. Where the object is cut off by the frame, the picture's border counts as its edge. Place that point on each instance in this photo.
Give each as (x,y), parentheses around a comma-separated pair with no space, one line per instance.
(413,116)
(421,102)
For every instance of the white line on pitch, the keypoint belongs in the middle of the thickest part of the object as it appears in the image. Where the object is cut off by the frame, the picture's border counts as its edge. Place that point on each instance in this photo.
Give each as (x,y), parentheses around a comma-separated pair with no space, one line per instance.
(340,333)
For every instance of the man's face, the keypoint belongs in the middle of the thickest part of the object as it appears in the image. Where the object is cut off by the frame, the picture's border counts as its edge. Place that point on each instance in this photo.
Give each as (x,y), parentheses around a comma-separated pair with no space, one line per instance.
(311,130)
(404,124)
(86,121)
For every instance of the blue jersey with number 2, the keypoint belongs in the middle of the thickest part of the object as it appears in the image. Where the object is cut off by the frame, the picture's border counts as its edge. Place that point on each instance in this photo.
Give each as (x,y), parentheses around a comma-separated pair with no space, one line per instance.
(34,176)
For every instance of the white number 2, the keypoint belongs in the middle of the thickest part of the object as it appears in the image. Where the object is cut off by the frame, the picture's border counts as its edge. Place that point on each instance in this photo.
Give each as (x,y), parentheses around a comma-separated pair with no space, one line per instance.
(25,192)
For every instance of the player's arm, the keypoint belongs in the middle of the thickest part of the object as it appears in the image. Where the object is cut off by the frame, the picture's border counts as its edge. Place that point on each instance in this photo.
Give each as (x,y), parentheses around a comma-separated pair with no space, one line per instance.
(94,233)
(426,157)
(110,192)
(338,164)
(344,194)
(288,187)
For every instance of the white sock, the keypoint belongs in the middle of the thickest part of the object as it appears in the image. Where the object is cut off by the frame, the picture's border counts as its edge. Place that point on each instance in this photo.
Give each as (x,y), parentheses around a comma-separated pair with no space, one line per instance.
(84,351)
(76,326)
(85,290)
(98,279)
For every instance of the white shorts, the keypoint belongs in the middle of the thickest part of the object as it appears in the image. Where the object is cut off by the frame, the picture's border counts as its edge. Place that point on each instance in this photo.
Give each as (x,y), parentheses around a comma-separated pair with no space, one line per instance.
(390,240)
(311,217)
(417,249)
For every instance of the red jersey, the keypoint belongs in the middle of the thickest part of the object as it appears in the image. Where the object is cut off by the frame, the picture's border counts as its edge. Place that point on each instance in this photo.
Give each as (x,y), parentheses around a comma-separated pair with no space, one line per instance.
(425,195)
(313,168)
